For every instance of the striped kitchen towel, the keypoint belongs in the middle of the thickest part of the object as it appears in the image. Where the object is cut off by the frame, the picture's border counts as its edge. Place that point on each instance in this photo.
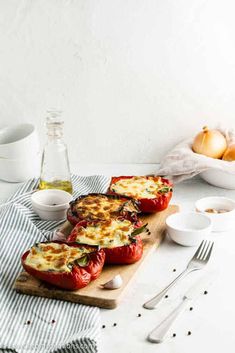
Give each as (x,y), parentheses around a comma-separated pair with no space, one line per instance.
(35,324)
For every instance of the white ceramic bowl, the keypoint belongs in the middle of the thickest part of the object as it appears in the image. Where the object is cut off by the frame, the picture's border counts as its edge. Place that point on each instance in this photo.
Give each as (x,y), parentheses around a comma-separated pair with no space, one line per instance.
(51,204)
(188,228)
(220,221)
(18,141)
(219,178)
(19,170)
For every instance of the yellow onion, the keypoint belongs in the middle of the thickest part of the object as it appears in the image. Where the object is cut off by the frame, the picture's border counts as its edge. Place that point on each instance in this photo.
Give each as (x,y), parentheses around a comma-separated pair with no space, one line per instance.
(211,143)
(229,154)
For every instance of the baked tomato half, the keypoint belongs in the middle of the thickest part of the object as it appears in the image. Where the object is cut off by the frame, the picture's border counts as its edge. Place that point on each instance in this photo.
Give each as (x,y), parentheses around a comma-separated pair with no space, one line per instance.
(95,207)
(69,266)
(153,193)
(119,238)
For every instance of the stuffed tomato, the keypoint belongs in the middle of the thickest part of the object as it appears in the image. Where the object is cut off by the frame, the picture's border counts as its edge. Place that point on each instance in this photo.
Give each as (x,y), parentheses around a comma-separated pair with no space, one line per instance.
(153,193)
(95,207)
(68,266)
(119,238)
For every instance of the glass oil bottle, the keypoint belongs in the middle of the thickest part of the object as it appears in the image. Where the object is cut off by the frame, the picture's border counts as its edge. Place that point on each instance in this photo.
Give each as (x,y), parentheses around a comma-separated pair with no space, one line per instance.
(55,171)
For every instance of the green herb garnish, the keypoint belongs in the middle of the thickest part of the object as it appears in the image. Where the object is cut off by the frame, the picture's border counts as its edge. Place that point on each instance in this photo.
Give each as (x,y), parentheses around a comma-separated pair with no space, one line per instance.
(139,230)
(83,261)
(165,189)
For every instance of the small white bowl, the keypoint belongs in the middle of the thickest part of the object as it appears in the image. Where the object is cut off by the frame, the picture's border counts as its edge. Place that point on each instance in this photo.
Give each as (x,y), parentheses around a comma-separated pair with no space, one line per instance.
(51,204)
(220,221)
(188,228)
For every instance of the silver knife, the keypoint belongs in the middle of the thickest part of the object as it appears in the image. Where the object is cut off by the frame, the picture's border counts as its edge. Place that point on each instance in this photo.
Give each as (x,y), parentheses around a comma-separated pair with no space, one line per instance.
(159,333)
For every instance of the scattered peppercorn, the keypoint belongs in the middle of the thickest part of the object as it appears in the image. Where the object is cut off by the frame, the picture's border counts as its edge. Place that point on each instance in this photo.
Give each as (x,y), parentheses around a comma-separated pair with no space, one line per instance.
(53,321)
(103,326)
(28,322)
(205,292)
(174,269)
(189,333)
(115,324)
(191,308)
(166,296)
(174,334)
(139,315)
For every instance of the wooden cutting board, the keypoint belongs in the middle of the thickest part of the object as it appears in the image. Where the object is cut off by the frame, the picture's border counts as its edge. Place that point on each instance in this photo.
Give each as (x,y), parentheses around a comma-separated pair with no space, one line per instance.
(94,294)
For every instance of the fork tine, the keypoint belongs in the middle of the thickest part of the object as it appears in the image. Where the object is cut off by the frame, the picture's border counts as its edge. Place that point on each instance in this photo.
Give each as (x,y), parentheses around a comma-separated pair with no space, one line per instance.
(198,250)
(202,250)
(203,256)
(209,252)
(202,253)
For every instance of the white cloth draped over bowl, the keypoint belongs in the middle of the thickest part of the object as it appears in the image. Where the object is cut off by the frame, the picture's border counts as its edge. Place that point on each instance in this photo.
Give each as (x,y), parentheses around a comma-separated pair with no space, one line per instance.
(182,163)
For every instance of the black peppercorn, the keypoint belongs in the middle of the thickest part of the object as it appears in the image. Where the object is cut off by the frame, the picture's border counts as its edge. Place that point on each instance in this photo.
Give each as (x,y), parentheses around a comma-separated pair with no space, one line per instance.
(139,315)
(174,269)
(28,322)
(174,334)
(103,326)
(205,292)
(53,321)
(189,333)
(166,296)
(115,324)
(191,308)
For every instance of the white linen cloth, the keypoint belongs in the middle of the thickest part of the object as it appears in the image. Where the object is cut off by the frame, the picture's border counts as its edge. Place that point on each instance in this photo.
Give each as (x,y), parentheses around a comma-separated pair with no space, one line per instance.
(36,324)
(182,163)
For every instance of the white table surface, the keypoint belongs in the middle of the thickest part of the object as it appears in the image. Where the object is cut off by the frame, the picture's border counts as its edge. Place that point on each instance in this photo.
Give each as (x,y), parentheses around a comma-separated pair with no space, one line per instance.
(212,319)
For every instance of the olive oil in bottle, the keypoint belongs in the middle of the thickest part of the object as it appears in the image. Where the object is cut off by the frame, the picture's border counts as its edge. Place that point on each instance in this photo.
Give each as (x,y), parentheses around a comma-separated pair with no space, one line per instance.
(55,171)
(57,184)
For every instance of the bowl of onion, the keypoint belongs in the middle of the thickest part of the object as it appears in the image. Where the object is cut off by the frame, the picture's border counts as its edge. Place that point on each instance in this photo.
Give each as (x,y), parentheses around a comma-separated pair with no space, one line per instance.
(219,178)
(215,145)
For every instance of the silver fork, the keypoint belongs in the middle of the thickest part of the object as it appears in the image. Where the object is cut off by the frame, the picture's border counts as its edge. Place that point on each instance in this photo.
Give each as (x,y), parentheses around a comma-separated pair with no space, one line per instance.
(198,261)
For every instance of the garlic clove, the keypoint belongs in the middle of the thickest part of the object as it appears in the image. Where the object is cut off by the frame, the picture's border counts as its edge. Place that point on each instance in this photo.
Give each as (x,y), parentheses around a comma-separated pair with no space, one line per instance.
(115,283)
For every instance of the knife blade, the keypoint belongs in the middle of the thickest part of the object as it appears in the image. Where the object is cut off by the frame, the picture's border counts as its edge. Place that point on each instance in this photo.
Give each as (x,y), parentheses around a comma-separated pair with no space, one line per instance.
(158,334)
(197,288)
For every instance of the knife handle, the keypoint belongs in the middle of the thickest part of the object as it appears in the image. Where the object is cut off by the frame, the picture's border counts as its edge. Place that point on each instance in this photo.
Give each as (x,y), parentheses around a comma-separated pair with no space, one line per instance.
(152,303)
(159,333)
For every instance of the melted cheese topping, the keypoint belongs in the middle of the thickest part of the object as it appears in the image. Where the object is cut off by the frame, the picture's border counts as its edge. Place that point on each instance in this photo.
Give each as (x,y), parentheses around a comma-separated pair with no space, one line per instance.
(106,234)
(53,257)
(97,207)
(138,187)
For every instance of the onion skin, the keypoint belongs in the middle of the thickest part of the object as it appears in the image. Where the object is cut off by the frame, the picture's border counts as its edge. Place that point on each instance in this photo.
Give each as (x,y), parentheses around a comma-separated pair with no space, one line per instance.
(229,154)
(210,143)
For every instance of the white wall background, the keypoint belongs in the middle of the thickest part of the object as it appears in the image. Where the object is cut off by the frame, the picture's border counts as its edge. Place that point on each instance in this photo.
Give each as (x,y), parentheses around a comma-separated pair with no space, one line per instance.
(133,77)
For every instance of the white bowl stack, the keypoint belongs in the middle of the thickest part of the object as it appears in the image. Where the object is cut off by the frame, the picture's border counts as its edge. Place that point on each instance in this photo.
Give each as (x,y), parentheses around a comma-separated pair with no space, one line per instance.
(19,153)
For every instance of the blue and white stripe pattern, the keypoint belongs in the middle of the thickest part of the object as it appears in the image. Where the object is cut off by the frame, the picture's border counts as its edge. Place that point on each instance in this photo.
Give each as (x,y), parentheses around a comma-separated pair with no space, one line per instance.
(35,324)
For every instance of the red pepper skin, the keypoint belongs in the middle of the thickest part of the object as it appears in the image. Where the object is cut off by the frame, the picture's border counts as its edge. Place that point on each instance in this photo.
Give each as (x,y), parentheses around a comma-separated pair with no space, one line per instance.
(157,204)
(120,255)
(127,254)
(72,218)
(77,278)
(96,263)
